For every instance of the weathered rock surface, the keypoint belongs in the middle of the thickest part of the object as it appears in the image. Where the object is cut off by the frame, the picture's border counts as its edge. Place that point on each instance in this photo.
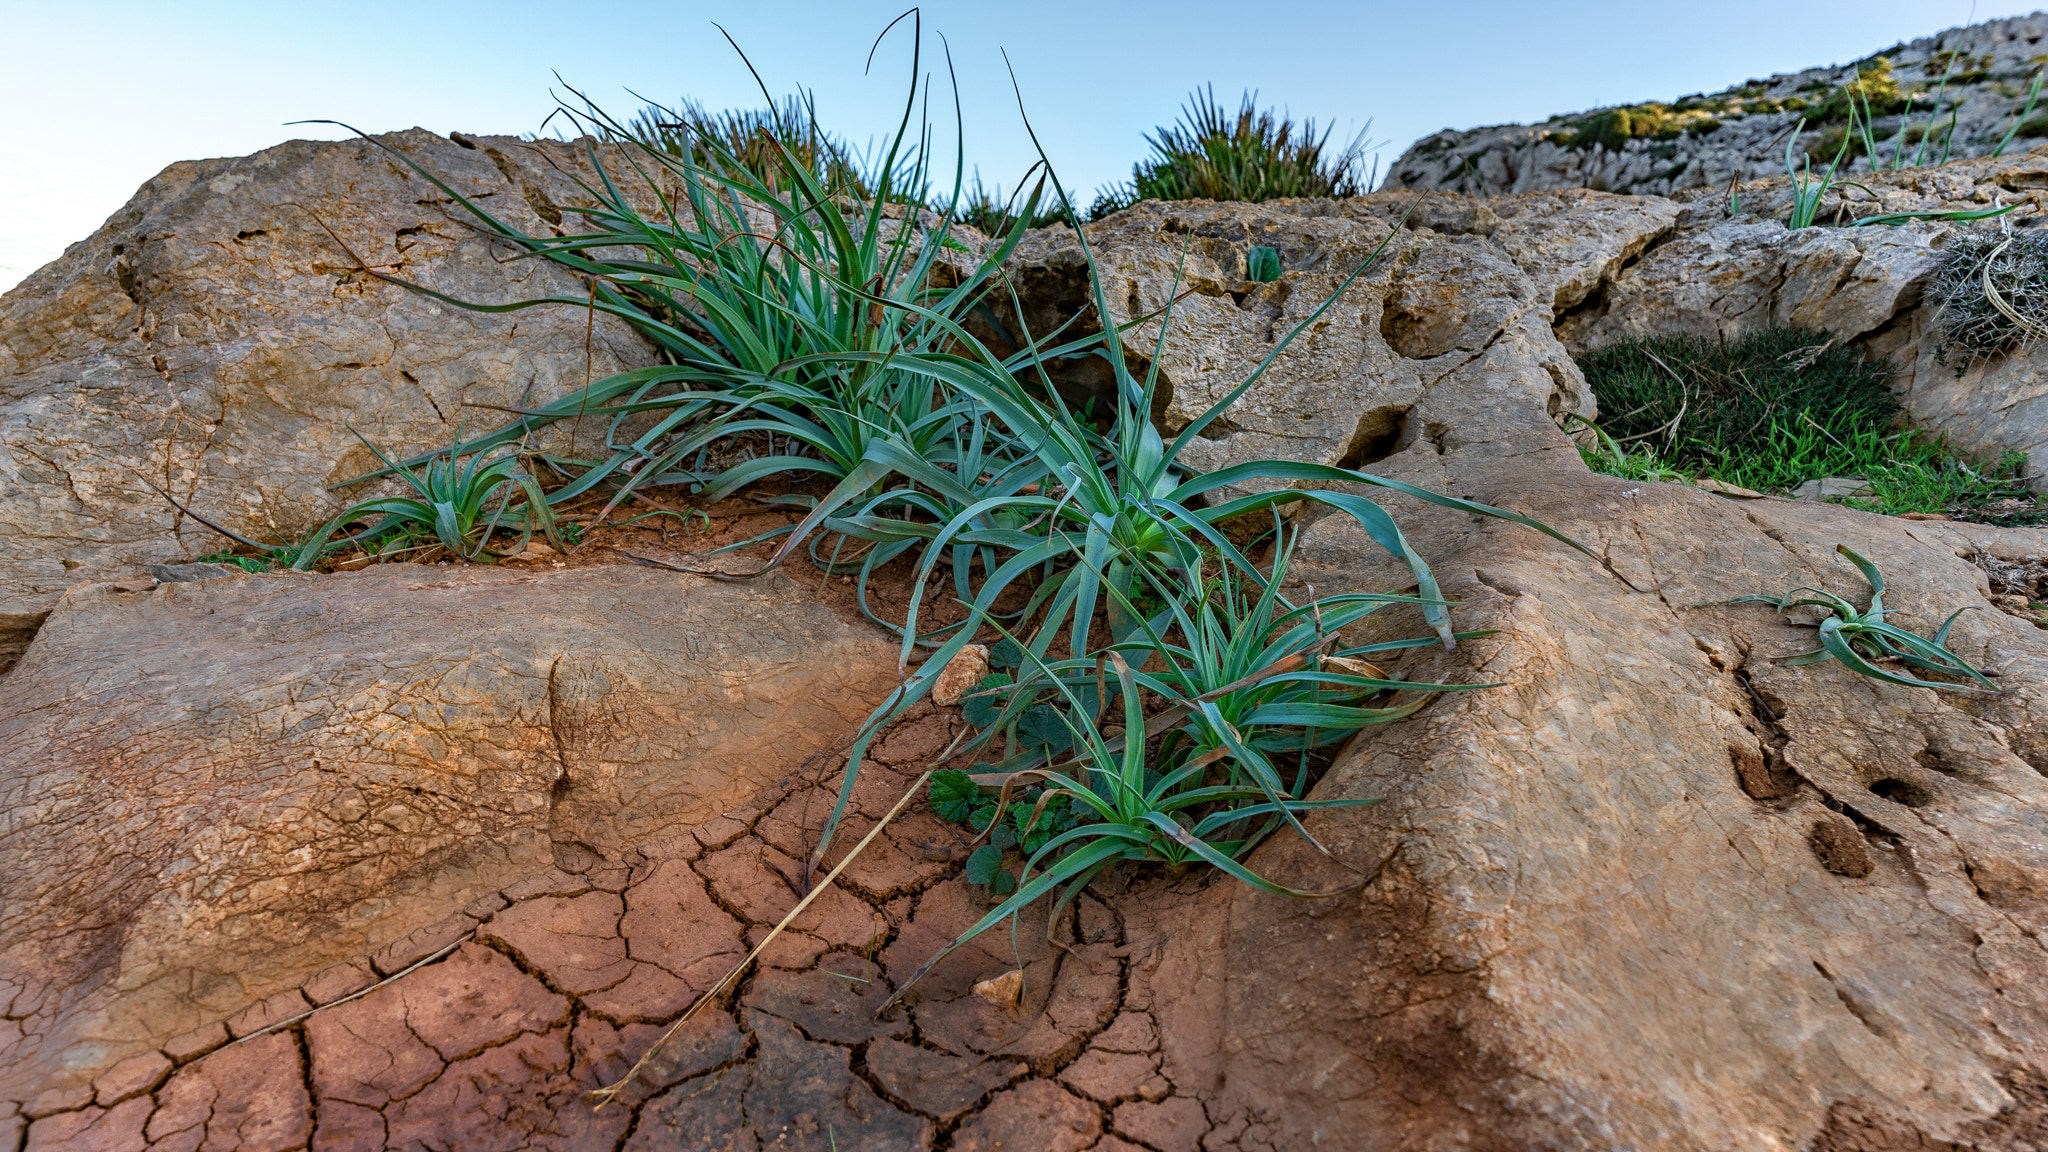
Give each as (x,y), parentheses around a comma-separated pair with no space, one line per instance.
(217,337)
(216,789)
(1739,133)
(1747,274)
(1724,278)
(1445,293)
(1655,891)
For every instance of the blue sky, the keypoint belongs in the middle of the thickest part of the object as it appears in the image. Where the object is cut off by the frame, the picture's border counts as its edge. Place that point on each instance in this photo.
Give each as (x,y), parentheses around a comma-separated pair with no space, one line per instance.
(104,95)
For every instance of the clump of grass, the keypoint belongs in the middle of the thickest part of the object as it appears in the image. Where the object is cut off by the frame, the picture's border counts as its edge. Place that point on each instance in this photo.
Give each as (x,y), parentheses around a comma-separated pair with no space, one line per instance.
(1862,640)
(1699,400)
(1775,410)
(764,142)
(993,214)
(1218,692)
(838,323)
(457,504)
(1991,295)
(1252,155)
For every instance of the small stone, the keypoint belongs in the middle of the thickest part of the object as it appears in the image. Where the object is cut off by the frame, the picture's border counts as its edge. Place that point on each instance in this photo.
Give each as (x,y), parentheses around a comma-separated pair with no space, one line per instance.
(1003,991)
(535,550)
(961,673)
(1154,1090)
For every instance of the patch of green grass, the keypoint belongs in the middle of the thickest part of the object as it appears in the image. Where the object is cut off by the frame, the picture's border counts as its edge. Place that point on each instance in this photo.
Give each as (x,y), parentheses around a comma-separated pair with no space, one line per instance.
(1697,400)
(1252,155)
(1775,410)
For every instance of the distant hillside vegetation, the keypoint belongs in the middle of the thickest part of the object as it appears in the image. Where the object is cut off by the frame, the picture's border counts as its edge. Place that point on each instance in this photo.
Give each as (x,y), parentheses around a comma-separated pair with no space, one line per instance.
(1957,93)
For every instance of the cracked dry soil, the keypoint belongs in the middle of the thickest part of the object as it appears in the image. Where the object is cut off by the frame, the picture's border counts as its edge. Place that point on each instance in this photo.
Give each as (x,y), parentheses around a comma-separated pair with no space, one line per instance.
(555,987)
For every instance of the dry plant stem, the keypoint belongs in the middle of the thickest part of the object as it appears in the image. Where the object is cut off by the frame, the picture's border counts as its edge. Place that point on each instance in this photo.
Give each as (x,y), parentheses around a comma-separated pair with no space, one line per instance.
(408,969)
(607,1094)
(1997,301)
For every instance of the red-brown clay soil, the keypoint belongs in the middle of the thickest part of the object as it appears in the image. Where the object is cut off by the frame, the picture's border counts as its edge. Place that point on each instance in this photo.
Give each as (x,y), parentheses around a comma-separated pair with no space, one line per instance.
(557,986)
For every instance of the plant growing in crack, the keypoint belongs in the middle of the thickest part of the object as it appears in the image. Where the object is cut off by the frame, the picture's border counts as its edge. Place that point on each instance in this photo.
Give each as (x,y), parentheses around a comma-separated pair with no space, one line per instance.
(1863,639)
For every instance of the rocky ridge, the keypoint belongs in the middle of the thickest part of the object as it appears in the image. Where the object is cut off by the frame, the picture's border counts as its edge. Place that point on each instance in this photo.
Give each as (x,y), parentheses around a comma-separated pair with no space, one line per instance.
(1709,140)
(1657,891)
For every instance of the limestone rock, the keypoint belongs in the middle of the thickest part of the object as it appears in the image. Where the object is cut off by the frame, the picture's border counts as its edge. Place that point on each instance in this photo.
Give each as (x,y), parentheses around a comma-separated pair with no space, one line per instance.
(1584,928)
(1447,290)
(1573,241)
(217,337)
(1743,275)
(217,789)
(960,675)
(1739,133)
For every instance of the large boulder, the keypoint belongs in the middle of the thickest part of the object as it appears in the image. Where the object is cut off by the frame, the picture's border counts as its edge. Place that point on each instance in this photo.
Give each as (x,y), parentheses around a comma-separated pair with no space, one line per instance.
(1448,289)
(219,337)
(211,790)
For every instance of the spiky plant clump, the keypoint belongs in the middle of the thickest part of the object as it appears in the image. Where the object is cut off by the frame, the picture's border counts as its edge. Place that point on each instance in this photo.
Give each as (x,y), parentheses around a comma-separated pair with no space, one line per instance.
(1251,155)
(1990,295)
(763,142)
(1864,642)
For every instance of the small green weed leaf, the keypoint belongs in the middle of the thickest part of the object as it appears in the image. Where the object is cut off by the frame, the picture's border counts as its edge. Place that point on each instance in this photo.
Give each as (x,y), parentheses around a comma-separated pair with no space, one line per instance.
(983,864)
(1262,264)
(1005,654)
(1042,727)
(953,795)
(1005,882)
(1004,837)
(979,710)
